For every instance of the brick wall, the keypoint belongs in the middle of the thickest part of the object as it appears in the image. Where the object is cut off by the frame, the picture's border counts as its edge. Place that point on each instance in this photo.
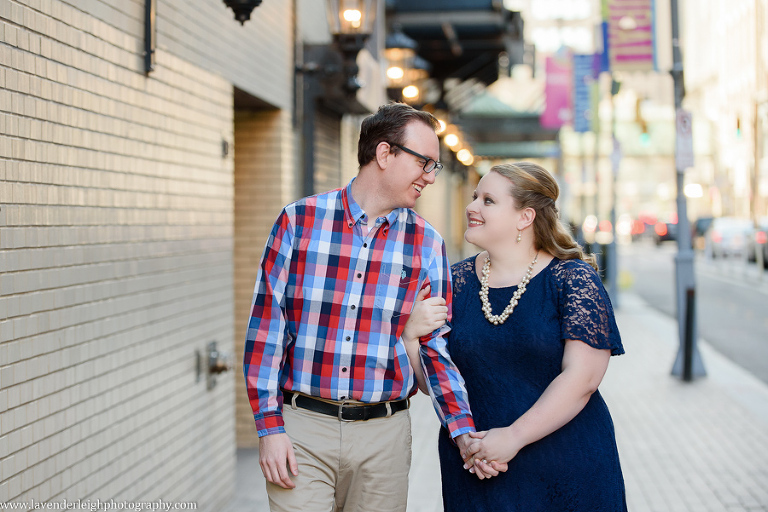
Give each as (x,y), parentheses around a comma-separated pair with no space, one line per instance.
(265,181)
(116,260)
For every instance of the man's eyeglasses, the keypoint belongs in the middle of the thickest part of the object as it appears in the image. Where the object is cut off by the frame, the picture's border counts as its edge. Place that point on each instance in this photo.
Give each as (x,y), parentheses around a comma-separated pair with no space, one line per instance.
(429,164)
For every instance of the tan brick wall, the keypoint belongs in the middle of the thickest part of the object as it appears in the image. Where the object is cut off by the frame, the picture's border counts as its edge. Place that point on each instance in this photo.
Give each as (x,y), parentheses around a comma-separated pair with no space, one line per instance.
(116,260)
(265,181)
(256,57)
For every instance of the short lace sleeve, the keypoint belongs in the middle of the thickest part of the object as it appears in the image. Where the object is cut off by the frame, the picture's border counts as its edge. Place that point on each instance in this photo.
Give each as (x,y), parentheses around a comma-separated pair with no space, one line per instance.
(461,272)
(586,313)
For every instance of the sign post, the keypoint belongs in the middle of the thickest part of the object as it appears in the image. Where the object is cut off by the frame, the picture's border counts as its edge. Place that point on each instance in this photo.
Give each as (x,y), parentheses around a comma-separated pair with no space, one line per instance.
(688,363)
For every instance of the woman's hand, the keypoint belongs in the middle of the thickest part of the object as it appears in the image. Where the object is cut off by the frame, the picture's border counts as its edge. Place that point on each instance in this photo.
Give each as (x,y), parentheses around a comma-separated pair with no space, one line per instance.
(428,314)
(582,370)
(495,446)
(480,469)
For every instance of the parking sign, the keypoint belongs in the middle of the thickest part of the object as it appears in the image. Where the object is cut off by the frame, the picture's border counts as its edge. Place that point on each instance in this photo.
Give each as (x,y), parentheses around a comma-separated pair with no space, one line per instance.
(684,140)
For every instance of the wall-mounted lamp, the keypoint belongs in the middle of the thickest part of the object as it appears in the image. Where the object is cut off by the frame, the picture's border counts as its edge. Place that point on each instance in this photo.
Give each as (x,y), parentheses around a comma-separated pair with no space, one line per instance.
(242,8)
(451,140)
(400,51)
(350,17)
(329,73)
(351,24)
(465,156)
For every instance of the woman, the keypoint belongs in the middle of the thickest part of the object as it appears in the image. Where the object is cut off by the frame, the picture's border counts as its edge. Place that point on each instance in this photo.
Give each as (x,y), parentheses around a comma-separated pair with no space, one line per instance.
(532,332)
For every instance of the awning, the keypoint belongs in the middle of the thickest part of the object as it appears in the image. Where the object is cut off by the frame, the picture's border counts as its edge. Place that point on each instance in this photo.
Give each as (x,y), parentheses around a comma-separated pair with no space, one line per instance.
(496,130)
(516,150)
(461,38)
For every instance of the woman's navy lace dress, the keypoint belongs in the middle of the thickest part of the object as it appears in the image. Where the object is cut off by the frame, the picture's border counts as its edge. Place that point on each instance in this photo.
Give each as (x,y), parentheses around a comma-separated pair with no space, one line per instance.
(507,367)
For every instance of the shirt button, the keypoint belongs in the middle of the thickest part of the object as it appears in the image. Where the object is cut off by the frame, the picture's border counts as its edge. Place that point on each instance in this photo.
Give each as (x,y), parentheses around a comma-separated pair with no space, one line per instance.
(359,274)
(352,306)
(365,245)
(343,397)
(344,369)
(349,338)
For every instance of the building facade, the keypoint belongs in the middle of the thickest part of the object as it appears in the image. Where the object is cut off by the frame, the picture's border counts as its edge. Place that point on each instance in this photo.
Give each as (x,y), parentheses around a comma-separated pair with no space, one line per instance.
(134,207)
(725,60)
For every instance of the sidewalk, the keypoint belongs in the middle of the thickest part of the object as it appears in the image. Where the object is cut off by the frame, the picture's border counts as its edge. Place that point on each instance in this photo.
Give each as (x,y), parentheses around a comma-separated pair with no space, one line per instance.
(687,447)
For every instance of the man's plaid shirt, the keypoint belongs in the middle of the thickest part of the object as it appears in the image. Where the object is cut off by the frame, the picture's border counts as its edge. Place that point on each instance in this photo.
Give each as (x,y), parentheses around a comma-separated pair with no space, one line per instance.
(331,302)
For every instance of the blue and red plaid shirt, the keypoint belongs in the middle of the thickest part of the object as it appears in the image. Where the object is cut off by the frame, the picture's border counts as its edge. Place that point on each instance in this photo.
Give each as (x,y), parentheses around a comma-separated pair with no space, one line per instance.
(330,303)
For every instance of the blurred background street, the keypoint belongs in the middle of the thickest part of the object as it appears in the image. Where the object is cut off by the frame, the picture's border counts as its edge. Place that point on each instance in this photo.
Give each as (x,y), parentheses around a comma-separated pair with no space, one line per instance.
(732,299)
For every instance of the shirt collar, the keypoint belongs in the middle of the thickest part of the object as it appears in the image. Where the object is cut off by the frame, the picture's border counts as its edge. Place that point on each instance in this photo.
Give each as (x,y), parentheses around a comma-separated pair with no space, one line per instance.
(353,212)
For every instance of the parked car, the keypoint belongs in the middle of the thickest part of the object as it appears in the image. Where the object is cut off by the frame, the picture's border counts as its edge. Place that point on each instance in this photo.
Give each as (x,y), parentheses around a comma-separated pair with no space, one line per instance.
(665,231)
(757,242)
(698,230)
(727,237)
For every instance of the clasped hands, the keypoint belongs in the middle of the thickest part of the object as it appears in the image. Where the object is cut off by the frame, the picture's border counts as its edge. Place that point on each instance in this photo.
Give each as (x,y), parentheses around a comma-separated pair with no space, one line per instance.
(486,453)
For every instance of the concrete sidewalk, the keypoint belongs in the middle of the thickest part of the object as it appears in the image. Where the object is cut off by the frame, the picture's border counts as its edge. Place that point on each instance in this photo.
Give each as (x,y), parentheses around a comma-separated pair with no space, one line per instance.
(700,446)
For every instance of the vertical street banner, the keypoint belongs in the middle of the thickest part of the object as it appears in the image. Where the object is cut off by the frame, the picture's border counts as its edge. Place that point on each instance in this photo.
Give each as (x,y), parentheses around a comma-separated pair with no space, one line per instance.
(583,77)
(631,41)
(594,92)
(558,86)
(605,64)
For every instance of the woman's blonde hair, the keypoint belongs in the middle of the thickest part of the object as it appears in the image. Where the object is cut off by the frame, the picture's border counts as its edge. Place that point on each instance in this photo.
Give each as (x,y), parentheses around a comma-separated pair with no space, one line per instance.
(534,187)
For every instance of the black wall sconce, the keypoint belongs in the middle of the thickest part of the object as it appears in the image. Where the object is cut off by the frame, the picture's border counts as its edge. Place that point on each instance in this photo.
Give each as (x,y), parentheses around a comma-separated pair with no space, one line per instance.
(351,24)
(329,72)
(242,8)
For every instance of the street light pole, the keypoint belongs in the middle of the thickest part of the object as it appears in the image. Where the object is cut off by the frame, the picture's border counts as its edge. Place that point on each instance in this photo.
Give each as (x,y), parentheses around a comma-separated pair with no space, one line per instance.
(688,363)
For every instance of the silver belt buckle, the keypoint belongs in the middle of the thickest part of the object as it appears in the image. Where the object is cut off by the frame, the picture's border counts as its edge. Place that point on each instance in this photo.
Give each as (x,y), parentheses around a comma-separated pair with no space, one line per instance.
(341,409)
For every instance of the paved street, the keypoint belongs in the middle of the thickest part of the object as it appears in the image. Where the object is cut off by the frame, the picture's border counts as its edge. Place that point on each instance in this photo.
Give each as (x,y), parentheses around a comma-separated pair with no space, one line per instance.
(686,447)
(731,299)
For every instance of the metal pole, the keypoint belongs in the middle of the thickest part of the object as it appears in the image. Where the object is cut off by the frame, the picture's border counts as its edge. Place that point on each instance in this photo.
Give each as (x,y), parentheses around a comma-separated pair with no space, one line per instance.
(150,35)
(684,272)
(757,133)
(611,256)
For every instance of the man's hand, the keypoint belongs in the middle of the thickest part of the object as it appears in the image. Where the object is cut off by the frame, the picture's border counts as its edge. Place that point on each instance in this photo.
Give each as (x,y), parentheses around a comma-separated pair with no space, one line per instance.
(275,453)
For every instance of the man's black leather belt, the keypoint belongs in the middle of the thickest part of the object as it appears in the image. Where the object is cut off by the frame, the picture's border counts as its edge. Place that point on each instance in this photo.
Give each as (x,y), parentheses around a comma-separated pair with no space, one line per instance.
(345,411)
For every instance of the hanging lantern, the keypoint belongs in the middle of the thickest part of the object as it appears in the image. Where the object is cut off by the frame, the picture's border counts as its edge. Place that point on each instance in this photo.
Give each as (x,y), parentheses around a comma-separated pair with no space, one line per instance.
(400,53)
(351,17)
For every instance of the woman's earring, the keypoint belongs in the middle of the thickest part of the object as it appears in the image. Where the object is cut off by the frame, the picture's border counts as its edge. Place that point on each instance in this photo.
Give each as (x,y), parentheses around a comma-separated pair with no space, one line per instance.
(519,236)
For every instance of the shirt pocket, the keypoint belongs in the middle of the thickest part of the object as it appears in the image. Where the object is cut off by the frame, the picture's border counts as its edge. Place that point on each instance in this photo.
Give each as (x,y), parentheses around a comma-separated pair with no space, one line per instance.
(397,288)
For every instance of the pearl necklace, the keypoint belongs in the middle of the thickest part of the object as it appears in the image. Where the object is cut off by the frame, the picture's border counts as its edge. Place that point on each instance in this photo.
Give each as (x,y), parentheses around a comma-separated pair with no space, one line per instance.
(500,319)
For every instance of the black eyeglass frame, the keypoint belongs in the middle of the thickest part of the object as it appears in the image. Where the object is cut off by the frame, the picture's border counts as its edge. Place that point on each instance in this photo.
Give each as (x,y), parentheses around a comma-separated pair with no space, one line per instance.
(437,167)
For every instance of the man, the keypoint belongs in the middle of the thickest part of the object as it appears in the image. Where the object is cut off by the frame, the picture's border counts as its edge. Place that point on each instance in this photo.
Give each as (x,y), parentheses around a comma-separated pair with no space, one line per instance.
(326,369)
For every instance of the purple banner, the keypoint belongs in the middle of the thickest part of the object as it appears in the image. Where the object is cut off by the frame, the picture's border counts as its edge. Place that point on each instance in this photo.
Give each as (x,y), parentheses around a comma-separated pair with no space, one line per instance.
(558,89)
(631,35)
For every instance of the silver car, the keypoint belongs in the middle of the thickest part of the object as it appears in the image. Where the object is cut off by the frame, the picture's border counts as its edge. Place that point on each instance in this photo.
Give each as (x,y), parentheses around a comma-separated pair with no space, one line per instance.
(727,237)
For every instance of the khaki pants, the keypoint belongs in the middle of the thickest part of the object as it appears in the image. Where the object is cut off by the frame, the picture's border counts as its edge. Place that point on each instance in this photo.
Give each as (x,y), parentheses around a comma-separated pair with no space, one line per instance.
(346,466)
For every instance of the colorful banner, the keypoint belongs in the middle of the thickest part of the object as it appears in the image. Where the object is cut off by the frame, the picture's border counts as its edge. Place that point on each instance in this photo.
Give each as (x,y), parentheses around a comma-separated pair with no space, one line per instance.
(631,42)
(595,103)
(583,77)
(557,90)
(605,64)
